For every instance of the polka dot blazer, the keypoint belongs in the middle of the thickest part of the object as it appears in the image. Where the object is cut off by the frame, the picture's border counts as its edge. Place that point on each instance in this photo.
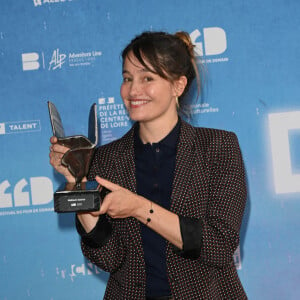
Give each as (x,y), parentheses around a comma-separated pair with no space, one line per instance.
(209,184)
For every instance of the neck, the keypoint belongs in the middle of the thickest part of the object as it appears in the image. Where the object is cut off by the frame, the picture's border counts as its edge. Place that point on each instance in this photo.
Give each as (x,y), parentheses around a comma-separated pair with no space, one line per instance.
(156,131)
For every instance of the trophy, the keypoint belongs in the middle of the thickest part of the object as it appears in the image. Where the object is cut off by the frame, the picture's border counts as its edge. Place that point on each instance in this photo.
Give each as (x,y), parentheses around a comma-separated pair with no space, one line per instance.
(79,196)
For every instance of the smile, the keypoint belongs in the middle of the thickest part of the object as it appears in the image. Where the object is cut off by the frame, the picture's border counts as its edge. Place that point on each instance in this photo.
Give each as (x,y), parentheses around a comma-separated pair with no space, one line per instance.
(134,103)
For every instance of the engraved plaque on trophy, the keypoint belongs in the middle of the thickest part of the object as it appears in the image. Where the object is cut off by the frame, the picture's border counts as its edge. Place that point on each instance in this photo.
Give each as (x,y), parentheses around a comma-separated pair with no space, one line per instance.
(79,196)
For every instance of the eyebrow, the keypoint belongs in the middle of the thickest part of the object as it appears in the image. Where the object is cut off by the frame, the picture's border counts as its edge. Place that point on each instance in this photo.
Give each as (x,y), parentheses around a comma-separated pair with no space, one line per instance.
(141,71)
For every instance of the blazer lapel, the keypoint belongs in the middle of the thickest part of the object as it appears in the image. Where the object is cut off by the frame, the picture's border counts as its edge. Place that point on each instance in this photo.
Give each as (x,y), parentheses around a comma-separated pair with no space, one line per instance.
(124,165)
(184,165)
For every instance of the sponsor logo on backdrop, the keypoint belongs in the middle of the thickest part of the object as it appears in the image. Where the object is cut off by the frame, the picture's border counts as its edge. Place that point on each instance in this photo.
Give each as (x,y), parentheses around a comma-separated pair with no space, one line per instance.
(73,271)
(210,44)
(20,127)
(58,59)
(41,2)
(282,126)
(199,108)
(111,116)
(2,128)
(237,258)
(26,196)
(30,61)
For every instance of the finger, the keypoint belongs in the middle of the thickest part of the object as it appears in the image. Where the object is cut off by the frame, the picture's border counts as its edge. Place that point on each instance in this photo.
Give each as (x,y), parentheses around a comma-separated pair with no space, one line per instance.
(102,210)
(109,185)
(56,156)
(59,148)
(53,140)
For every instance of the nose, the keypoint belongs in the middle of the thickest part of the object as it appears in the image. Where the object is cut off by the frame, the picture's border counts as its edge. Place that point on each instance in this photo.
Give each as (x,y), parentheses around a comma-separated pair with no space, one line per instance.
(135,88)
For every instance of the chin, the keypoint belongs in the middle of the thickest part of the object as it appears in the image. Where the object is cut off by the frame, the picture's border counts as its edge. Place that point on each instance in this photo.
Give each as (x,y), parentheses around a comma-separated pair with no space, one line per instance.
(137,116)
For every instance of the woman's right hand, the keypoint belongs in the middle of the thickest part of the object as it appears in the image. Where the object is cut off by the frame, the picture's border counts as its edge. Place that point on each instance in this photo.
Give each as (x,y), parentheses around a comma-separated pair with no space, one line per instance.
(57,151)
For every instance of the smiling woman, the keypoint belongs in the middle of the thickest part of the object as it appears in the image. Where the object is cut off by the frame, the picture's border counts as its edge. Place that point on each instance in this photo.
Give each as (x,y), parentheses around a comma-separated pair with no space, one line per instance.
(150,99)
(170,225)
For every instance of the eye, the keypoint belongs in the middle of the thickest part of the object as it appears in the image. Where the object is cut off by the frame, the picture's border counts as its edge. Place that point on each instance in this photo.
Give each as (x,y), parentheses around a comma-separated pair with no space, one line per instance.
(148,78)
(126,79)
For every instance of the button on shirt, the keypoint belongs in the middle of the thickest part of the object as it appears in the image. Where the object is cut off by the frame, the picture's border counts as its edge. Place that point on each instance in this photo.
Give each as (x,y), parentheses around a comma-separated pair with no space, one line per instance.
(155,165)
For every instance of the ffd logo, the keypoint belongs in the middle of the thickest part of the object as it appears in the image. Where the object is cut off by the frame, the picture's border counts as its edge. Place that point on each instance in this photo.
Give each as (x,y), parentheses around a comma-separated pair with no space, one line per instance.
(211,41)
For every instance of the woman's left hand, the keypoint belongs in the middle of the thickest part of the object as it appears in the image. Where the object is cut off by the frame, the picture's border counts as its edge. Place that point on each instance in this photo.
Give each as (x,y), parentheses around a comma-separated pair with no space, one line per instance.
(120,203)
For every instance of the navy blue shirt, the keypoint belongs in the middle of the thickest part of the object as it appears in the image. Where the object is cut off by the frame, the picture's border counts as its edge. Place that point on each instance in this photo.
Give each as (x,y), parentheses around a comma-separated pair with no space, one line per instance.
(155,165)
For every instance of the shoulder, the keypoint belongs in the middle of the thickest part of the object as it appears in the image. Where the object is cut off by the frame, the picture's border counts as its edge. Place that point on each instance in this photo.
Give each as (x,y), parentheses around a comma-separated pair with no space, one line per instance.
(208,136)
(106,155)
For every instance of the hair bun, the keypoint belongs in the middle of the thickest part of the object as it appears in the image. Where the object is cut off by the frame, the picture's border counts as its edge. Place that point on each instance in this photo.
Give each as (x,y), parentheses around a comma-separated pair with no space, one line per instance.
(185,37)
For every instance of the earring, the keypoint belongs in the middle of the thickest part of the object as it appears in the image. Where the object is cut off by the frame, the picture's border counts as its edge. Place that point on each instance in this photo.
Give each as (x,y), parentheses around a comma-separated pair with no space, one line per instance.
(177,102)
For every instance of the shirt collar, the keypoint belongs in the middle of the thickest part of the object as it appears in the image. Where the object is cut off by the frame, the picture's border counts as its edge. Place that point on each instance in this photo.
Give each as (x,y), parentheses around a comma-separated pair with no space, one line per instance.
(169,141)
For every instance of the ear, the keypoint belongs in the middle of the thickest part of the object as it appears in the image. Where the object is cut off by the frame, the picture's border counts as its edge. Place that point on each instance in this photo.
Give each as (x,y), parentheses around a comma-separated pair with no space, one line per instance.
(179,85)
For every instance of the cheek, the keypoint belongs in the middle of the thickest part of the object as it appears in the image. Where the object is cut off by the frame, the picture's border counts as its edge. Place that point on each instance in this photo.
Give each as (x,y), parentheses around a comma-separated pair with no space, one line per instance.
(123,92)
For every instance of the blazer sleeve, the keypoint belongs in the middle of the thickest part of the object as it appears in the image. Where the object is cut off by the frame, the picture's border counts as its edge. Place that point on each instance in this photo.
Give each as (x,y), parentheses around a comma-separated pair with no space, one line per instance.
(103,246)
(226,202)
(107,255)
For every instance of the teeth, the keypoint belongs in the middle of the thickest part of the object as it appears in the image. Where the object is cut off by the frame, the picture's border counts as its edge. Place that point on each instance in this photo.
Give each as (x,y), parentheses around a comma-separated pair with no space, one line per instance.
(139,102)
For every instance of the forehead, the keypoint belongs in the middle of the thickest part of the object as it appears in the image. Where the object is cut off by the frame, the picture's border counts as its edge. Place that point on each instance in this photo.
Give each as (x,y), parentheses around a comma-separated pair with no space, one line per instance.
(131,62)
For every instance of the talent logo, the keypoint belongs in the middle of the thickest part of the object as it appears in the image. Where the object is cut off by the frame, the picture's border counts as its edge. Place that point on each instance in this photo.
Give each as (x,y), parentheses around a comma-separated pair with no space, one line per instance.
(281,125)
(20,126)
(211,41)
(38,191)
(41,2)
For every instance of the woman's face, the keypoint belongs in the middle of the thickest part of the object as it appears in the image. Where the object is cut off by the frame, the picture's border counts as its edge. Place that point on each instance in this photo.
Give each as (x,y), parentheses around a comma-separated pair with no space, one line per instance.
(147,96)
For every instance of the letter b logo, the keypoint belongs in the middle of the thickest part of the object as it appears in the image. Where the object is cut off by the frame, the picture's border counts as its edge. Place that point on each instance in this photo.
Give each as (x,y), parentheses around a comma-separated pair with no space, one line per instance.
(30,61)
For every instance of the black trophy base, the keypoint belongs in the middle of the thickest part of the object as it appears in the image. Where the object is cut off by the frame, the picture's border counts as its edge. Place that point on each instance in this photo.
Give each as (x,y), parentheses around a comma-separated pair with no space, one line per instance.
(82,197)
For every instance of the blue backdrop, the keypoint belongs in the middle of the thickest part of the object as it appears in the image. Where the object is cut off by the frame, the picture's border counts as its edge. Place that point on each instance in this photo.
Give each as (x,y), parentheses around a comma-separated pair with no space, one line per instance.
(68,52)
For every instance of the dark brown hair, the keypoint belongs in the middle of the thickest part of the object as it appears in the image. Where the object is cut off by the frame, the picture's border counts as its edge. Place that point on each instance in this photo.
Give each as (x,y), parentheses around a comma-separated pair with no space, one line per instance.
(170,56)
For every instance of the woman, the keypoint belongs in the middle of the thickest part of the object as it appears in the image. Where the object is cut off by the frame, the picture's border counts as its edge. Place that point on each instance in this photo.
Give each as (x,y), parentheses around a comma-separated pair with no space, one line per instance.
(170,225)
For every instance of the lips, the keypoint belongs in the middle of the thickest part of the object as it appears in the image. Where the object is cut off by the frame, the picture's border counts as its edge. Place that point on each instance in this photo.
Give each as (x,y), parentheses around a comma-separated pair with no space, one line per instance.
(137,103)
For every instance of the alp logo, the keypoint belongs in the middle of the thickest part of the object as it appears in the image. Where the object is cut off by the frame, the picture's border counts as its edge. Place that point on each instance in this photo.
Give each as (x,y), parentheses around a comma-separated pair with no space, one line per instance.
(38,191)
(211,41)
(57,60)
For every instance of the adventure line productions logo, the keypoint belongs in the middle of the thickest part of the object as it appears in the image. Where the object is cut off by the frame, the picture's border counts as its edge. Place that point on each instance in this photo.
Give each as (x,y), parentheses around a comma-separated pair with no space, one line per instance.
(57,59)
(20,127)
(26,197)
(41,2)
(210,44)
(112,117)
